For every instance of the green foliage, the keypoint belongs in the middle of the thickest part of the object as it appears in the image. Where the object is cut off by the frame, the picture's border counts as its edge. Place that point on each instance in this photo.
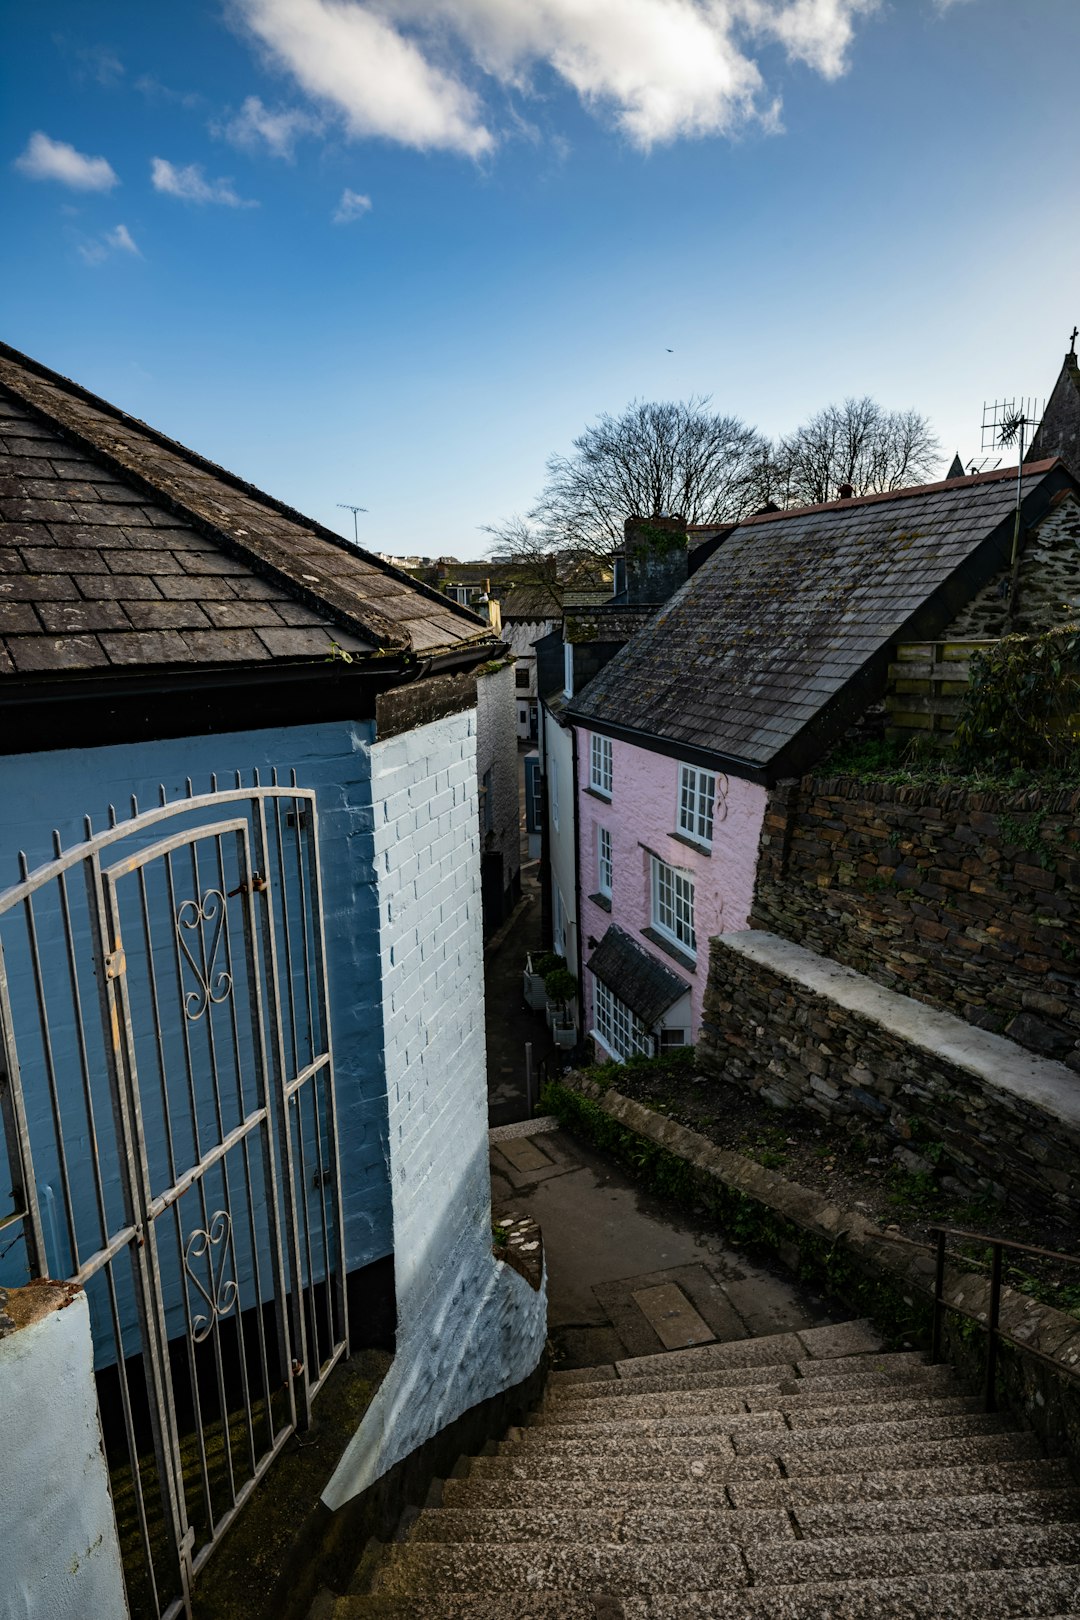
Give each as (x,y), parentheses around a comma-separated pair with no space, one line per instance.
(560,985)
(1022,704)
(545,962)
(905,764)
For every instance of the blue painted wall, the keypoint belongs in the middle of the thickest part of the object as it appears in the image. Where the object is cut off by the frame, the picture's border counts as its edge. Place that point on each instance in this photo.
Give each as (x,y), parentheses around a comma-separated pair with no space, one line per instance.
(57,790)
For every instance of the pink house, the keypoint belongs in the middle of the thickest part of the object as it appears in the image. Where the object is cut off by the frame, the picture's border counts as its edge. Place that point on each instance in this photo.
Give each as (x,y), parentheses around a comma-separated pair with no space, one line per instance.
(668,850)
(744,677)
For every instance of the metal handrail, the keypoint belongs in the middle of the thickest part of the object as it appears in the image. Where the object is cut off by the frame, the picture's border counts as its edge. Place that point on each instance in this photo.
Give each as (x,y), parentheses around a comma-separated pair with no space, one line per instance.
(992,1325)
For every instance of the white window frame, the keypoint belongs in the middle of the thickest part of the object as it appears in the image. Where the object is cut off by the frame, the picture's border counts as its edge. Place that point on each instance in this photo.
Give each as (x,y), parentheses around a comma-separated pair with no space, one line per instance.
(672,905)
(601,765)
(604,866)
(618,1029)
(672,1039)
(558,929)
(697,804)
(554,793)
(568,669)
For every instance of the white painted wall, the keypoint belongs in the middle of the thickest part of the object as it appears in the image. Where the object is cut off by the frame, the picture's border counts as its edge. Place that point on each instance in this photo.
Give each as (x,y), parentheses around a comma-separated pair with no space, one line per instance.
(468,1326)
(496,751)
(559,772)
(59,1558)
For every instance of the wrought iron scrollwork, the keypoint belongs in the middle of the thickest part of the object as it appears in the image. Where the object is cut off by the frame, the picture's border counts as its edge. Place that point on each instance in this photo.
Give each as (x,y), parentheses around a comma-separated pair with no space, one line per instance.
(207,914)
(220,1297)
(720,804)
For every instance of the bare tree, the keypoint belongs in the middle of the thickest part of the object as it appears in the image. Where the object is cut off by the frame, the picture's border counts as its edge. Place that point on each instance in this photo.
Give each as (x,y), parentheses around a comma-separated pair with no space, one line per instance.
(857,443)
(654,458)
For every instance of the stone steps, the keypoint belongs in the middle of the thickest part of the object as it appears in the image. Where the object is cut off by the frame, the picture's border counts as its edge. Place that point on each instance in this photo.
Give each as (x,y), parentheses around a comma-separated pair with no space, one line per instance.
(718,1463)
(415,1569)
(796,1477)
(798,1411)
(811,1520)
(999,1478)
(788,1391)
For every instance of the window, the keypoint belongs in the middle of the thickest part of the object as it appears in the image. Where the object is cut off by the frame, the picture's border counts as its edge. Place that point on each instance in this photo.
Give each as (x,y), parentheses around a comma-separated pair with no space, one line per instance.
(554,793)
(620,1030)
(521,677)
(603,861)
(600,765)
(568,669)
(673,905)
(671,1038)
(697,796)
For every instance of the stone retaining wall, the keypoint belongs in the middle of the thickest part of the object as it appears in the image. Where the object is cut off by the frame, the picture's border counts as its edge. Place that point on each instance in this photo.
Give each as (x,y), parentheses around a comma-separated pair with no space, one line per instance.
(969,901)
(932,1111)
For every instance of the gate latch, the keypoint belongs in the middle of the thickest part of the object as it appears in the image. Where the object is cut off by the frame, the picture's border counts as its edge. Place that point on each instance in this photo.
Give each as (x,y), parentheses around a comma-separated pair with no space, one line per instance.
(256,886)
(115,963)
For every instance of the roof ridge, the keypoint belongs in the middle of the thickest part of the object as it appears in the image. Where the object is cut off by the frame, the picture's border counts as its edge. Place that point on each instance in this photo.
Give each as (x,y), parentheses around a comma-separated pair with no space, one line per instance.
(184,453)
(999,474)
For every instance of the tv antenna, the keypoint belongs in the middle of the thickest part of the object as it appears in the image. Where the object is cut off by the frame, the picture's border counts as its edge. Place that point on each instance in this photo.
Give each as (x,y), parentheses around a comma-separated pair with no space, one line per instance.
(1005,423)
(346,507)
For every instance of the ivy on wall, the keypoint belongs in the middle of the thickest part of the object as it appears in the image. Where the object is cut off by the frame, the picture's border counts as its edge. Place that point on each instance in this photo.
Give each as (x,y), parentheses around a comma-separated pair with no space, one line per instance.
(1022,704)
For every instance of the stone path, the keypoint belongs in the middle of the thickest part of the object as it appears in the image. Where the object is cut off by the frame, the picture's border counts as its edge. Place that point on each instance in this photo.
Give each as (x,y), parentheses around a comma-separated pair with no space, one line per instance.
(800,1476)
(628,1274)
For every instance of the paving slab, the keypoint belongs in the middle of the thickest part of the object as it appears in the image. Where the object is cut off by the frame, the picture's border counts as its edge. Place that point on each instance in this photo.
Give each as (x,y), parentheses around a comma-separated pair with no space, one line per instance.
(671,1314)
(842,1339)
(607,1239)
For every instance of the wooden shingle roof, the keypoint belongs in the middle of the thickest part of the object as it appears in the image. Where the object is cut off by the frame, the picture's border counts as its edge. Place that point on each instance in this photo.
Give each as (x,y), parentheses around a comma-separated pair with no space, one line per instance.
(796,606)
(121,549)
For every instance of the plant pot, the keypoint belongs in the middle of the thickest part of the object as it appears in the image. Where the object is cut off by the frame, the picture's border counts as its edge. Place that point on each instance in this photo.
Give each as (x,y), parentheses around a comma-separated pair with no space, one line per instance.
(534,992)
(565,1035)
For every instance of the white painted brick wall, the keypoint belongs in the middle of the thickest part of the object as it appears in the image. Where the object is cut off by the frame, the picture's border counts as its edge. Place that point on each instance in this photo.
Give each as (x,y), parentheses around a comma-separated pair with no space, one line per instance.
(468,1327)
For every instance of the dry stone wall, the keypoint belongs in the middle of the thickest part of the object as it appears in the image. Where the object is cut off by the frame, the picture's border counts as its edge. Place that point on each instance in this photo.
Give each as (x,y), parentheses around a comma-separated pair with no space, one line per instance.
(968,901)
(929,1106)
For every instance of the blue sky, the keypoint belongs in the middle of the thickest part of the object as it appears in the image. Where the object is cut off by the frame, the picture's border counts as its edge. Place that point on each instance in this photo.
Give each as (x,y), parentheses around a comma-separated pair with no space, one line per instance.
(396,252)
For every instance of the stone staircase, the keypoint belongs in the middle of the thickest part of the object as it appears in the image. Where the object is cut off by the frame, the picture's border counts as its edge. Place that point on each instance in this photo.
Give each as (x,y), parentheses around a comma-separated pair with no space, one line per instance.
(803,1476)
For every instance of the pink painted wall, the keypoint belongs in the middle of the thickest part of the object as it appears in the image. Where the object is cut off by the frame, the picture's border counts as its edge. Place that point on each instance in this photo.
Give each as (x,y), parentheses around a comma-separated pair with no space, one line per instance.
(644,812)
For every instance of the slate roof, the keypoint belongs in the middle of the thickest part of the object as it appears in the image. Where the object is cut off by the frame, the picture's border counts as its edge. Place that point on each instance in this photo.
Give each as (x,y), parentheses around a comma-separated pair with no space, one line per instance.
(119,548)
(794,605)
(645,985)
(606,621)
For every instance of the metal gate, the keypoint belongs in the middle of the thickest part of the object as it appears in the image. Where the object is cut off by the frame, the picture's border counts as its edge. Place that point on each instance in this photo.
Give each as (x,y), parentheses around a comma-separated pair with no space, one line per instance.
(167,1095)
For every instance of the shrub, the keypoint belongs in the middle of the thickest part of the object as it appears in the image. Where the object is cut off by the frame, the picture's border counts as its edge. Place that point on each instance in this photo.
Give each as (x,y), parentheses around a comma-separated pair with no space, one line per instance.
(1022,704)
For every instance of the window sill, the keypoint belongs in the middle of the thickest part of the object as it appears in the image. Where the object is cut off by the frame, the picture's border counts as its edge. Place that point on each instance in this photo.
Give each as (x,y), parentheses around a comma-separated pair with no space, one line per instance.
(676,952)
(601,900)
(595,793)
(691,843)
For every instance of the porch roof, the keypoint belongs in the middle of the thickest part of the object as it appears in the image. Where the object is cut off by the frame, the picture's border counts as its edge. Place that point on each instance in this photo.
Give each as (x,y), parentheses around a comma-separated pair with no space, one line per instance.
(642,983)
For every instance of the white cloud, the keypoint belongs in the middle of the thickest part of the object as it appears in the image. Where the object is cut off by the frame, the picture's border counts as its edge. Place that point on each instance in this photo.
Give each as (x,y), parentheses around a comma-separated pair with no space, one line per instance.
(256,125)
(353,205)
(119,240)
(658,69)
(102,65)
(155,91)
(189,183)
(46,159)
(379,81)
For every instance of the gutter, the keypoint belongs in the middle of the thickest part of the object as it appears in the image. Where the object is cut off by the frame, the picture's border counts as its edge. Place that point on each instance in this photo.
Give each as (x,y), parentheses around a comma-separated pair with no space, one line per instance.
(690,752)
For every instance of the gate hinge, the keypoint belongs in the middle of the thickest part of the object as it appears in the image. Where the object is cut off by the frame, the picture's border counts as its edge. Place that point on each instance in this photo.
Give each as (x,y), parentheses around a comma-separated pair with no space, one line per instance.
(256,886)
(115,963)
